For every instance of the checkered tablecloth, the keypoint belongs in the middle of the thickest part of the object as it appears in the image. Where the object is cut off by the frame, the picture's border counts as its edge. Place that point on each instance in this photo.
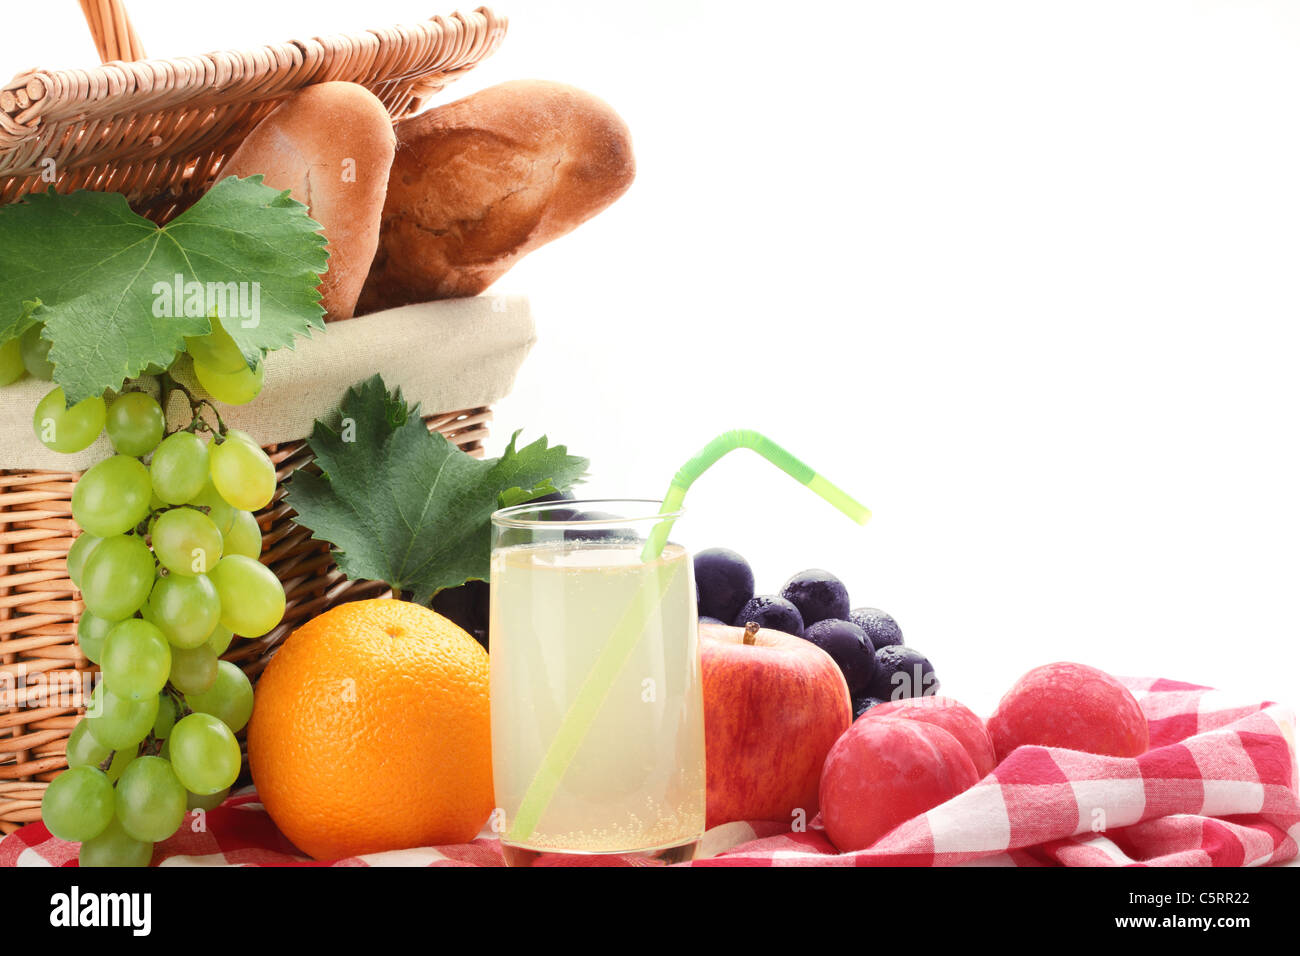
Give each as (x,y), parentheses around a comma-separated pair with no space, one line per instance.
(1217,788)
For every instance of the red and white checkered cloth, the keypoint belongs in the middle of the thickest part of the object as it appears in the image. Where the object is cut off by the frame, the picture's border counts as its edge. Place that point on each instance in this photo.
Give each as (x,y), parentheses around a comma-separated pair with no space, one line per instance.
(1217,788)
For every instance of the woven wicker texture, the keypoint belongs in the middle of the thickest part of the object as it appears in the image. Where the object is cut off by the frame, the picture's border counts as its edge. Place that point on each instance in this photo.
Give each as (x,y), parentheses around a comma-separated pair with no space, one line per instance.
(159,130)
(43,672)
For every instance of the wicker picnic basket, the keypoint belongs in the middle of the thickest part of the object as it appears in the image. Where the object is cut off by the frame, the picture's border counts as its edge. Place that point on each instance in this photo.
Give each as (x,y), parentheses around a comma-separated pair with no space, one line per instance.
(158,131)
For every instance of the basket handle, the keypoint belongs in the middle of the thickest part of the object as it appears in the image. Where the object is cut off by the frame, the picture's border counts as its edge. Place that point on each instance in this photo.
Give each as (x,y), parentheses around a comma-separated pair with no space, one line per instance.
(114,35)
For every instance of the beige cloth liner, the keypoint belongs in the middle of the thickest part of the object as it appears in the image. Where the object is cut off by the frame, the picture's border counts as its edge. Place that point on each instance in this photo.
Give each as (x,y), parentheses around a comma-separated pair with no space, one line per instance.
(449,355)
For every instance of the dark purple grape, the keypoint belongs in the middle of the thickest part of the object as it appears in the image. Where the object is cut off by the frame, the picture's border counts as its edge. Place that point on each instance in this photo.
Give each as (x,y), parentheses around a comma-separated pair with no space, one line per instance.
(863,704)
(768,610)
(553,496)
(818,595)
(468,607)
(849,647)
(882,630)
(598,533)
(705,619)
(902,672)
(512,537)
(724,581)
(554,514)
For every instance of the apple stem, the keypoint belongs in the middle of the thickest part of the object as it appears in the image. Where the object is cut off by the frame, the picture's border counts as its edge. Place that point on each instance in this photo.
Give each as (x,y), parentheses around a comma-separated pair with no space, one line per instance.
(751,632)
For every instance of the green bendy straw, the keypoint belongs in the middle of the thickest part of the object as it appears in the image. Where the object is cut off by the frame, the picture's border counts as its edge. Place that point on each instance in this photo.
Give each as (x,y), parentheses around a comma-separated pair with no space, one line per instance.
(730,441)
(586,704)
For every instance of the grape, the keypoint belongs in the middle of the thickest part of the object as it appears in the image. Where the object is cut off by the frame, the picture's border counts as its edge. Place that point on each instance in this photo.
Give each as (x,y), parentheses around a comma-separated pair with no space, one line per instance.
(882,630)
(137,659)
(35,350)
(114,847)
(245,437)
(218,508)
(220,639)
(194,669)
(112,497)
(78,804)
(150,800)
(135,423)
(83,749)
(252,598)
(242,473)
(217,350)
(121,760)
(818,595)
(64,429)
(468,607)
(179,467)
(78,553)
(849,648)
(186,608)
(11,362)
(92,632)
(863,704)
(234,388)
(229,699)
(117,722)
(724,582)
(554,514)
(146,611)
(118,577)
(210,802)
(166,719)
(552,498)
(244,536)
(902,672)
(597,533)
(186,541)
(205,754)
(768,610)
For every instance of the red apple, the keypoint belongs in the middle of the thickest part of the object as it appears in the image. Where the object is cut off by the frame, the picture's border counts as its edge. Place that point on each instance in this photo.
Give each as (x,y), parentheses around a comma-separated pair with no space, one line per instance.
(774,704)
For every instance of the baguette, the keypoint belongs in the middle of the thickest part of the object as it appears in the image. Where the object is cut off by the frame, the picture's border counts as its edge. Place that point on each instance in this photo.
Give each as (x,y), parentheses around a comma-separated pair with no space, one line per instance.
(331,145)
(481,182)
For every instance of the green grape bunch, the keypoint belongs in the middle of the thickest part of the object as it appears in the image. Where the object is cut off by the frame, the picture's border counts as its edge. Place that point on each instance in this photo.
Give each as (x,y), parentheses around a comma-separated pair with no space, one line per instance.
(167,564)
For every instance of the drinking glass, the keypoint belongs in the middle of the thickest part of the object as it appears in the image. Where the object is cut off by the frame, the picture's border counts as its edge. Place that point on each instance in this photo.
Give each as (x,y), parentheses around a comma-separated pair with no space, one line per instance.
(597,706)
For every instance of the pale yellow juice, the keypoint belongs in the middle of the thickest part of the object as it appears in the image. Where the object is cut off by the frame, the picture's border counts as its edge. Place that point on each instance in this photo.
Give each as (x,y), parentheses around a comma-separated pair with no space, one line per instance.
(636,781)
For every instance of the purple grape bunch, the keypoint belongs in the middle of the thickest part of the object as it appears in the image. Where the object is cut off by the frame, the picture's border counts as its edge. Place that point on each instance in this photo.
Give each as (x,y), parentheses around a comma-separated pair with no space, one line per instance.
(865,642)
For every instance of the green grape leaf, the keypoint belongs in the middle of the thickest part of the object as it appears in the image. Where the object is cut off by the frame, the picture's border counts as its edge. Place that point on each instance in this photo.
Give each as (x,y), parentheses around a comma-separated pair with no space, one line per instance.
(521,496)
(117,293)
(403,505)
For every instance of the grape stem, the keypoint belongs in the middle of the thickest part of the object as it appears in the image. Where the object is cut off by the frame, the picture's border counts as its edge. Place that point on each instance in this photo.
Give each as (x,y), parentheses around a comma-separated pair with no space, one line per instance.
(182,708)
(197,421)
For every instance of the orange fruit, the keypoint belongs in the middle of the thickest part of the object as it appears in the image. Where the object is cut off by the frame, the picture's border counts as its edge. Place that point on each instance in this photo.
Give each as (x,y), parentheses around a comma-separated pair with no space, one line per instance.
(370,732)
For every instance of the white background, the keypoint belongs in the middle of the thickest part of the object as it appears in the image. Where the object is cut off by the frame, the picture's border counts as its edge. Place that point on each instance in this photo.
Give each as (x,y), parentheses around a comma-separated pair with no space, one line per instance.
(1021,275)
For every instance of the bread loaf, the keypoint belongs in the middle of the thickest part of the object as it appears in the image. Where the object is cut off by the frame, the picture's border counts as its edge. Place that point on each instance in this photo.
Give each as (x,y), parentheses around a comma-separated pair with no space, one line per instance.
(331,145)
(481,182)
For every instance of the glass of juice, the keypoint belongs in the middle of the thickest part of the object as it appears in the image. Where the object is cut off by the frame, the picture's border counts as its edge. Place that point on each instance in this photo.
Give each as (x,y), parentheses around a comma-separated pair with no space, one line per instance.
(597,706)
